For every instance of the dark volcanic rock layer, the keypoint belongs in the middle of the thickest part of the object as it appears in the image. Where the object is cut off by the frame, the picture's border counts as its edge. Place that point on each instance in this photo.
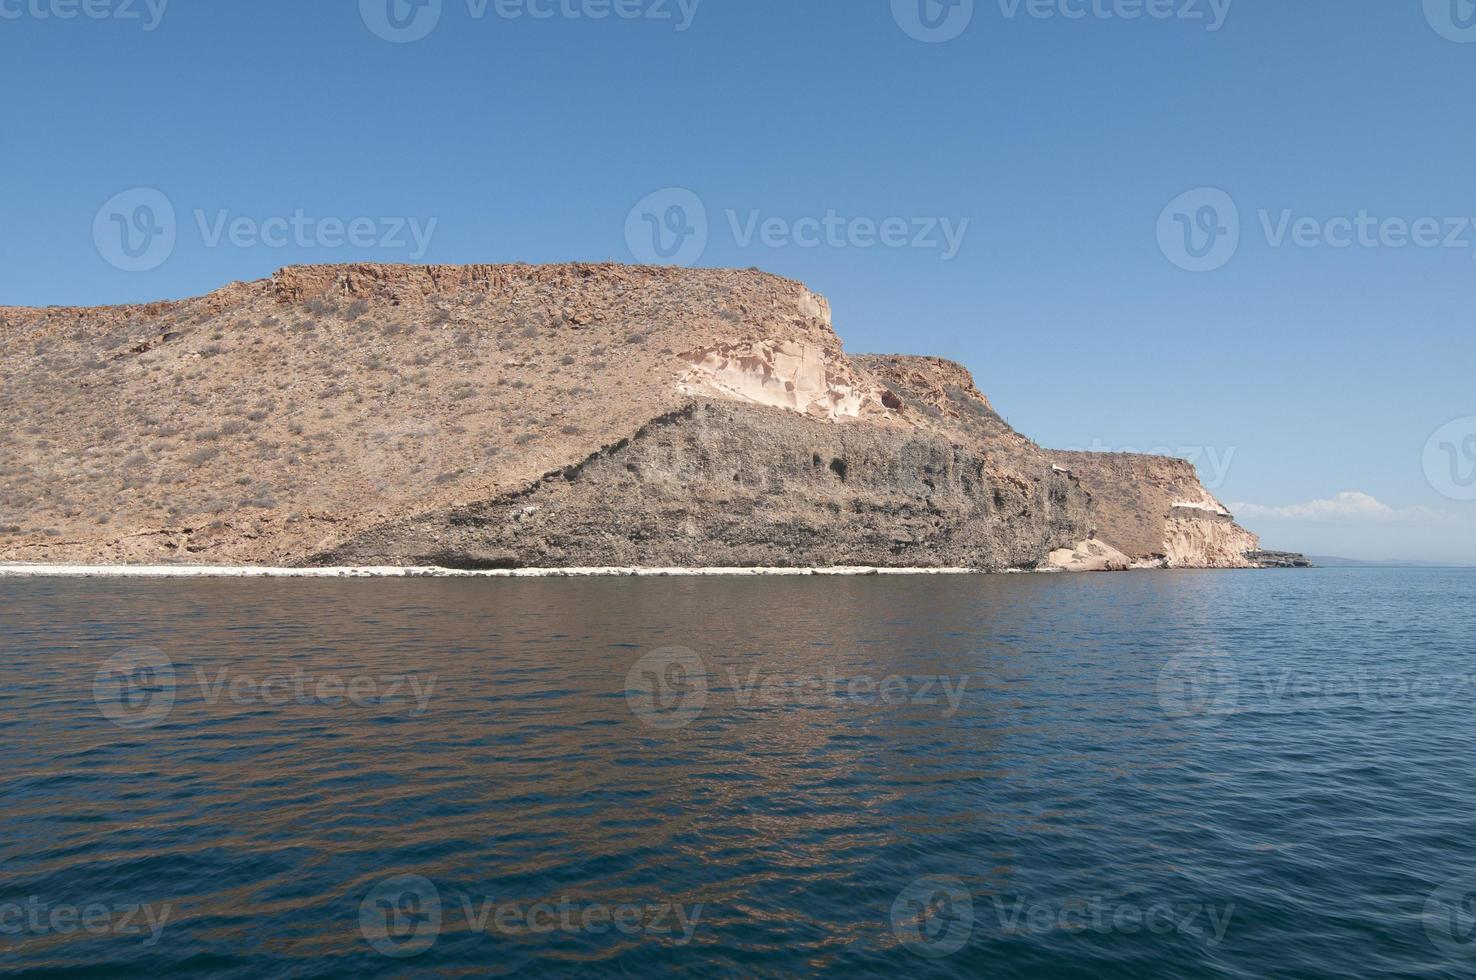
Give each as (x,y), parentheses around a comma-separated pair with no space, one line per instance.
(717,484)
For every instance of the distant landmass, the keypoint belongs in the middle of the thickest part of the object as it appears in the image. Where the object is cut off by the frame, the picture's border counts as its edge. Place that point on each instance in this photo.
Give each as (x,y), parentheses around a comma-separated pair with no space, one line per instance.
(1327,562)
(514,416)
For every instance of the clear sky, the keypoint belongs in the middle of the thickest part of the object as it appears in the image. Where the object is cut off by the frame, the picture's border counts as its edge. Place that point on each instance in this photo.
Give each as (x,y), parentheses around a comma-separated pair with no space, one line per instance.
(1021,185)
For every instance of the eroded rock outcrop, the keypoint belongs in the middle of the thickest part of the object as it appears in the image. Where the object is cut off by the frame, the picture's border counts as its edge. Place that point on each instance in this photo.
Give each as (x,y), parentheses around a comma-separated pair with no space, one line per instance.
(579,415)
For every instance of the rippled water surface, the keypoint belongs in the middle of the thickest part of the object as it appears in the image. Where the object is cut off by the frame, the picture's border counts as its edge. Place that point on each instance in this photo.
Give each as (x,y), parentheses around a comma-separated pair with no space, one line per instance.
(1231,774)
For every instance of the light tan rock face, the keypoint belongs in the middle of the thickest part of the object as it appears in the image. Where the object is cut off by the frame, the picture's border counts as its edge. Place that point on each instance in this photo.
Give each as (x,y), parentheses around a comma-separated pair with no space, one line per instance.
(803,378)
(517,415)
(1154,510)
(1090,556)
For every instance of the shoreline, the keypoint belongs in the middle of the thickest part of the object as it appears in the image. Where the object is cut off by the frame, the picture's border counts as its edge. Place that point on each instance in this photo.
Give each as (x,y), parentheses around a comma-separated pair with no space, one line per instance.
(254,571)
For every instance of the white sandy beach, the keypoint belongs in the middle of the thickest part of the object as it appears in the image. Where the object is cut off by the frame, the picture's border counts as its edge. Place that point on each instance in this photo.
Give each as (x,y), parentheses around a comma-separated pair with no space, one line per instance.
(244,571)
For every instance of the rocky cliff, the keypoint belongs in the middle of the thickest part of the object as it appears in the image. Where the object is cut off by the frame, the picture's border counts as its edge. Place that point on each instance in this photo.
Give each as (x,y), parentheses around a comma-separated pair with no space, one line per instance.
(521,416)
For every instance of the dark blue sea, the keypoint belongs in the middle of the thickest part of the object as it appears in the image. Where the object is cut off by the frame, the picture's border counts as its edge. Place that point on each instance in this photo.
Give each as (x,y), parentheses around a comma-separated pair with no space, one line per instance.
(1178,774)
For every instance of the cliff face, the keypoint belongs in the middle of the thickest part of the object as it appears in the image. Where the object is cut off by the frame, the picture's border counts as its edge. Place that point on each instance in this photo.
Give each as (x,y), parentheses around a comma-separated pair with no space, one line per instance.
(496,416)
(1154,510)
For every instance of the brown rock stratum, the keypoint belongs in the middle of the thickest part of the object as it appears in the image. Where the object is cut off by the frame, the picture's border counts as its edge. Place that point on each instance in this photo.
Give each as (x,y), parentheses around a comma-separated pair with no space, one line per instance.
(541,416)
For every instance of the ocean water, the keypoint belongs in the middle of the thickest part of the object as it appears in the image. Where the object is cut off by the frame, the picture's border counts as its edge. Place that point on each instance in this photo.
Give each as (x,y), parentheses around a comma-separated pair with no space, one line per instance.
(1185,774)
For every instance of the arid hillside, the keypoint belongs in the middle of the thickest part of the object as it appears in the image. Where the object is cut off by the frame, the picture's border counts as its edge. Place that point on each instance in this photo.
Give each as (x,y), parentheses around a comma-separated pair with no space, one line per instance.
(532,416)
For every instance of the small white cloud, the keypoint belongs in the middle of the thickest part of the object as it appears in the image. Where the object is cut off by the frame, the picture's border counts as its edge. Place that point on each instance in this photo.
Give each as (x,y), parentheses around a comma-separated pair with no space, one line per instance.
(1350,506)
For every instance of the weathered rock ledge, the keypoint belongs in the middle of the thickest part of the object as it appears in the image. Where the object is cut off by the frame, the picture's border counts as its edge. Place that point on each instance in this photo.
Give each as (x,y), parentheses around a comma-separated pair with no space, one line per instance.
(1279,559)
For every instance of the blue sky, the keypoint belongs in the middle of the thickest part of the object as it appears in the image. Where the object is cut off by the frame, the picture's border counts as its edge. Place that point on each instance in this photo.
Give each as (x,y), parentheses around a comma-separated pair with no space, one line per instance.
(1022,187)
